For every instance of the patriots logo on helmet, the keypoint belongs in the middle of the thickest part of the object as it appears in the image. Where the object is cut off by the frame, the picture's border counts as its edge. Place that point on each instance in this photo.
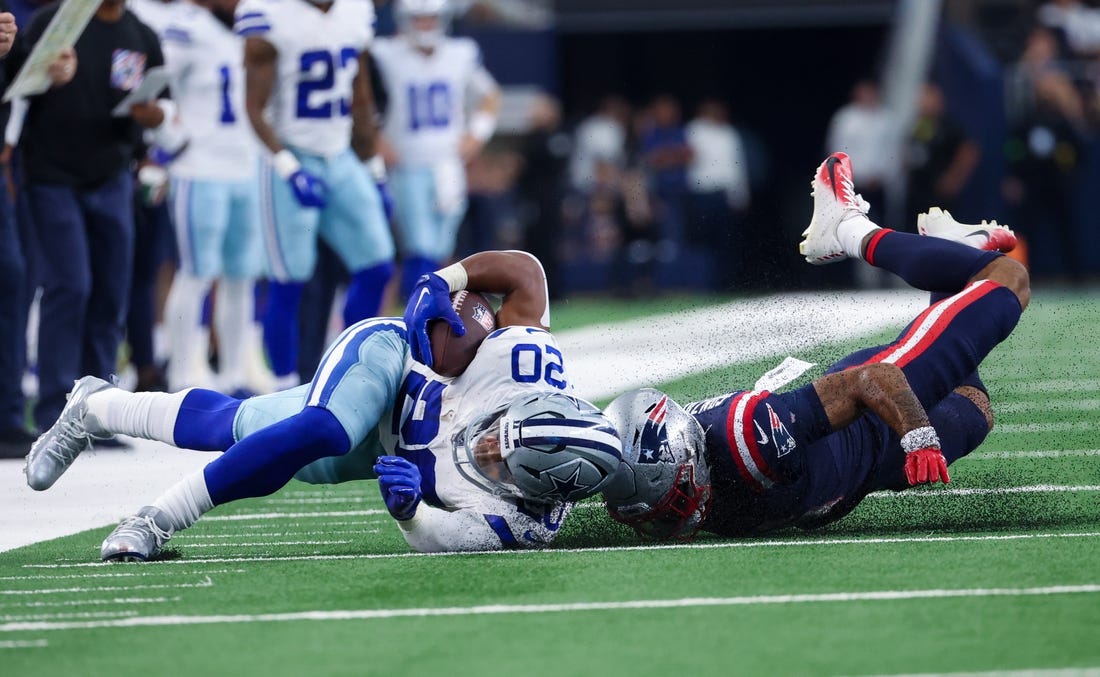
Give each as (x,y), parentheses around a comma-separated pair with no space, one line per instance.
(784,441)
(653,439)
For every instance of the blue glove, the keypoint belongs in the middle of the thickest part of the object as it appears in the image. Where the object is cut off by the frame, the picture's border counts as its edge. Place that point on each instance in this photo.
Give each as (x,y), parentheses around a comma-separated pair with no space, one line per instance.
(387,198)
(399,481)
(308,189)
(430,300)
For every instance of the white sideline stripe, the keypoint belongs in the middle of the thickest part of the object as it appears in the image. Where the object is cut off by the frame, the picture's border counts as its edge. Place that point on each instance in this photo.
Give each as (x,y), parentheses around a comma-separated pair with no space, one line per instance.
(23,644)
(206,583)
(984,491)
(493,609)
(1045,406)
(245,516)
(1047,427)
(119,574)
(183,539)
(191,544)
(100,602)
(1050,453)
(611,549)
(72,616)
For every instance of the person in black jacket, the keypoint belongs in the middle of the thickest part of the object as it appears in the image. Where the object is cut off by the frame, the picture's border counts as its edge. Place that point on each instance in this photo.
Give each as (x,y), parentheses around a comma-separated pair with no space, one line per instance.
(77,160)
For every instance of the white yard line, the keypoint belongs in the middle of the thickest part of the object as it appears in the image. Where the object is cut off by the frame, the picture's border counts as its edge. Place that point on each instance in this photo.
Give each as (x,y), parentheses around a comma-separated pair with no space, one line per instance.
(24,644)
(1048,453)
(97,602)
(269,544)
(763,543)
(986,491)
(205,583)
(1045,406)
(118,574)
(1046,427)
(496,609)
(185,537)
(68,616)
(1057,385)
(246,516)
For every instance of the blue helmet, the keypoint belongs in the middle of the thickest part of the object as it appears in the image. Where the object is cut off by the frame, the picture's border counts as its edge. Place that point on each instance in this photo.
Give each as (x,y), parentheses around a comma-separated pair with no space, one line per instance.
(548,447)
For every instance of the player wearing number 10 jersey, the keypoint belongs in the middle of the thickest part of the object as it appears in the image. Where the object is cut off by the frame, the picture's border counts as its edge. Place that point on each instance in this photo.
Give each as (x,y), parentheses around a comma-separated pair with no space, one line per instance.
(493,458)
(309,100)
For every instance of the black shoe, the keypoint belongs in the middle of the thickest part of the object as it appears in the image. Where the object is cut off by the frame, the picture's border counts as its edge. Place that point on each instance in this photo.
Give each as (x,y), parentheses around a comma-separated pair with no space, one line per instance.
(16,443)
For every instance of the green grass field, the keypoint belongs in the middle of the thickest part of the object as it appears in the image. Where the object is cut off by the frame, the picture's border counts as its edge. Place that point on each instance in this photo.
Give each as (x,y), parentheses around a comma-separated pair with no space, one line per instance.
(1000,571)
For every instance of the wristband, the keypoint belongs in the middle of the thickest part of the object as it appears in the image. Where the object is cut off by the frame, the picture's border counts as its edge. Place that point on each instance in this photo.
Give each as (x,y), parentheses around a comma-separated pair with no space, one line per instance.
(482,125)
(455,276)
(285,163)
(920,438)
(377,168)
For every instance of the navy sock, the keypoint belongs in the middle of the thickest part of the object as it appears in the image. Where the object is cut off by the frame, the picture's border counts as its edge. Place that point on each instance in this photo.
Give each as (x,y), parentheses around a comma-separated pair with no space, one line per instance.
(266,460)
(975,381)
(928,263)
(365,292)
(281,325)
(205,421)
(411,270)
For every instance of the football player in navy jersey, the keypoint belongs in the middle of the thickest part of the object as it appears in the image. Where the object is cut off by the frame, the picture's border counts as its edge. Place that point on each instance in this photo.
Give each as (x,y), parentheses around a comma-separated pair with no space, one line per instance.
(886,417)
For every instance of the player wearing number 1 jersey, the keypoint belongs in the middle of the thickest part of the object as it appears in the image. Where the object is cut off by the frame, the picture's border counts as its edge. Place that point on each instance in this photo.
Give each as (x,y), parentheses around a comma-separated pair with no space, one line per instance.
(308,98)
(442,108)
(215,197)
(493,458)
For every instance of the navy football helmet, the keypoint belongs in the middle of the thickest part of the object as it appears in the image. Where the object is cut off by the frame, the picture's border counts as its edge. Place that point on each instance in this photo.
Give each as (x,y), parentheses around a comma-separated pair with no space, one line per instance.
(664,488)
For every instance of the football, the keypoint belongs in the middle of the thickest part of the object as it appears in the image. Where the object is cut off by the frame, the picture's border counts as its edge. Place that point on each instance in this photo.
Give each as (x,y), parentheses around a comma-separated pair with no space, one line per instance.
(452,354)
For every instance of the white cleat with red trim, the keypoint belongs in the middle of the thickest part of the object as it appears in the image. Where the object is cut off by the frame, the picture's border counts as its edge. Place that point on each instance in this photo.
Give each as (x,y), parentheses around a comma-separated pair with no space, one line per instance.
(835,200)
(989,236)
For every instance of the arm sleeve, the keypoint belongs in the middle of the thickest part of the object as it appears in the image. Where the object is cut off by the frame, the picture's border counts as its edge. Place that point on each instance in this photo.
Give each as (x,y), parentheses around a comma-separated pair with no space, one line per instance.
(25,41)
(494,525)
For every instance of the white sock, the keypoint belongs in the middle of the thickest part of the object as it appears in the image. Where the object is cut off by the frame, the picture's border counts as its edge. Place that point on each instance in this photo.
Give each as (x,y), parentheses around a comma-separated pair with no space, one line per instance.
(233,321)
(851,232)
(186,501)
(150,416)
(183,325)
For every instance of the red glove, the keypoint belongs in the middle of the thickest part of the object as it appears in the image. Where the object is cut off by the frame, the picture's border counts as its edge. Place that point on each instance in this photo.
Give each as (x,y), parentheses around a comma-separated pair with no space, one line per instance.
(926,465)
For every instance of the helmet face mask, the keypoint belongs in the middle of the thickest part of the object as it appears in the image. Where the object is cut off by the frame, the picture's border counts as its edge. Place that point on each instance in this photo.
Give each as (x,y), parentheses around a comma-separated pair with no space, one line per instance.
(665,493)
(414,18)
(545,448)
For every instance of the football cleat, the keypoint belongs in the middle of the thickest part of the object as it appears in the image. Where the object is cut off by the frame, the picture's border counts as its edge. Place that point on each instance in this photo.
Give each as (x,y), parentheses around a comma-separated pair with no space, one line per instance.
(835,200)
(989,236)
(137,537)
(73,432)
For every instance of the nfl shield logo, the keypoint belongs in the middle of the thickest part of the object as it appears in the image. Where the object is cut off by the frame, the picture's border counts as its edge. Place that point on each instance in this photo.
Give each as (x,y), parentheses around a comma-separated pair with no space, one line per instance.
(127,69)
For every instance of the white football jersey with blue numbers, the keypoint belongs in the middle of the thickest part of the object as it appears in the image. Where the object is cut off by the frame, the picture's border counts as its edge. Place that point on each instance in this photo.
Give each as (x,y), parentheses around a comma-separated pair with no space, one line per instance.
(205,59)
(431,409)
(318,59)
(427,96)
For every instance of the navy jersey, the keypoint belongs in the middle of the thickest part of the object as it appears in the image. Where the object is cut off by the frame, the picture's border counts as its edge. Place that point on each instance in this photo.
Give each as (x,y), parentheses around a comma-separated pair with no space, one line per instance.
(775,460)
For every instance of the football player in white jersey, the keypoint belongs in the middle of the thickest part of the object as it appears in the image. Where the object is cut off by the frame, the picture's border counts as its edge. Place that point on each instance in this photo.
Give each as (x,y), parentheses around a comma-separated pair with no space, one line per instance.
(493,458)
(215,197)
(308,98)
(442,108)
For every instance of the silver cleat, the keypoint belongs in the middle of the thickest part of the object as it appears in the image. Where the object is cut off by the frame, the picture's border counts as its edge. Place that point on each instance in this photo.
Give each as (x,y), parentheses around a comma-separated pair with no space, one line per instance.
(56,449)
(137,537)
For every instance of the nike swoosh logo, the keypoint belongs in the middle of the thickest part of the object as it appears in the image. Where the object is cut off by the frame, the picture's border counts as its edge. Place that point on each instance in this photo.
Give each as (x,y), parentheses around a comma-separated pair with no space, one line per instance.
(978,232)
(830,165)
(420,299)
(763,439)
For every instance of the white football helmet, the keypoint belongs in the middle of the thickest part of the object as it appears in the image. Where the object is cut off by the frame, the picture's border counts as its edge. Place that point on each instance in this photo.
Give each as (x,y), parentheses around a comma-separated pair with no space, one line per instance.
(544,448)
(407,11)
(664,489)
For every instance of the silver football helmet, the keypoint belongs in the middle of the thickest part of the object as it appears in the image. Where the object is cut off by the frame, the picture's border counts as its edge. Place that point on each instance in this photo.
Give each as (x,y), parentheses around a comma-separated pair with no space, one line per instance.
(408,11)
(664,489)
(548,448)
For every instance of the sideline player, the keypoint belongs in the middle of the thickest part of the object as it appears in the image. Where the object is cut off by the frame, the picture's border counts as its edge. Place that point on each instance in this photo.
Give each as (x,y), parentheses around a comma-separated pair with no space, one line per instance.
(215,197)
(307,94)
(886,417)
(490,459)
(431,81)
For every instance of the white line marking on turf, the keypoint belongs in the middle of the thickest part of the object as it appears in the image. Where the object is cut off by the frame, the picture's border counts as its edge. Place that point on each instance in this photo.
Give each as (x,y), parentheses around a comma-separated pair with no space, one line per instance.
(71,616)
(1059,385)
(99,602)
(1045,427)
(492,609)
(24,644)
(118,574)
(213,537)
(264,545)
(611,549)
(321,501)
(245,516)
(1046,406)
(1050,453)
(985,491)
(205,583)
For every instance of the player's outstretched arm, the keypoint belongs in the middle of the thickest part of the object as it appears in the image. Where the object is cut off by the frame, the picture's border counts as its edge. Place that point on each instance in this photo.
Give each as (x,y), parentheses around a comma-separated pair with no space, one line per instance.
(884,390)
